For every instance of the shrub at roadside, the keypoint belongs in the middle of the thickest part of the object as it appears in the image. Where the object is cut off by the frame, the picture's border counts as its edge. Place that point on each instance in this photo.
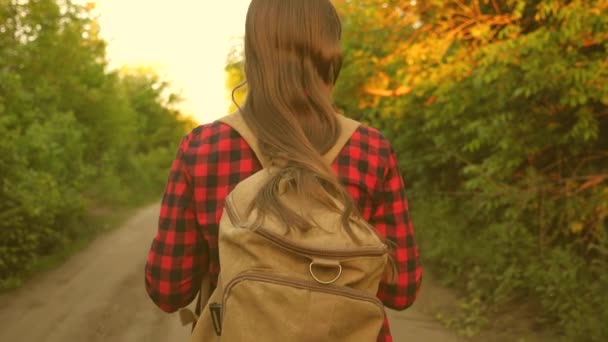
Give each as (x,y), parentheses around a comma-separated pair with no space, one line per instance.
(499,112)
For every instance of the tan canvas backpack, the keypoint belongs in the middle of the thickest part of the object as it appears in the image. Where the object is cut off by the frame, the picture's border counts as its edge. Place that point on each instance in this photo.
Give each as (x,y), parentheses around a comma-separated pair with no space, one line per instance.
(279,285)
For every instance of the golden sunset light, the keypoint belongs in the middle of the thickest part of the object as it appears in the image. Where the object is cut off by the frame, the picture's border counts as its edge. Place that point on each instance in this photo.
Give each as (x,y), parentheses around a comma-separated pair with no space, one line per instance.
(186,41)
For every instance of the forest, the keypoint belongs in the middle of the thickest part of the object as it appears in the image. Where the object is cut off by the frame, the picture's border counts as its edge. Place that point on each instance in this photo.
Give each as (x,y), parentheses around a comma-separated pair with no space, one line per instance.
(498,110)
(75,136)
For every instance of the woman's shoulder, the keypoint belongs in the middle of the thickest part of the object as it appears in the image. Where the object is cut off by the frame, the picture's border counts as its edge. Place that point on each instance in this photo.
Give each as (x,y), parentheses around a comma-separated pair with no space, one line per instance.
(369,141)
(216,146)
(215,135)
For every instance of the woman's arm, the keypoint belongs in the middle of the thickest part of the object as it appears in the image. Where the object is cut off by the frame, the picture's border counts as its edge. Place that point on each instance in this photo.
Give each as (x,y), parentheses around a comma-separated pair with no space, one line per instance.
(391,218)
(177,257)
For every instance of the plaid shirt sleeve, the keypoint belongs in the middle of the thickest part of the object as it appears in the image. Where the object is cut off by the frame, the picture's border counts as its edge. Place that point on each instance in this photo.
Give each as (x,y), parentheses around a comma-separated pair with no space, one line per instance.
(390,216)
(176,260)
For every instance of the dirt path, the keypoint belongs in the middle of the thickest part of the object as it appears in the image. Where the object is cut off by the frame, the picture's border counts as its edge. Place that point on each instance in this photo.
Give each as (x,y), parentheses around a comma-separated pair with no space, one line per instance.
(98,295)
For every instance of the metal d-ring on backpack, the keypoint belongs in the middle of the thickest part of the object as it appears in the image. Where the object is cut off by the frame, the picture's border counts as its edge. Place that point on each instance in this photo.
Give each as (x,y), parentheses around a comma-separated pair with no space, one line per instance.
(275,285)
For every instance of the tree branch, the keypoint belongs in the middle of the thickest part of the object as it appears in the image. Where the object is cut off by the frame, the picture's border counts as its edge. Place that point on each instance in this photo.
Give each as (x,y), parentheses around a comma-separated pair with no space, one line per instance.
(496,7)
(402,90)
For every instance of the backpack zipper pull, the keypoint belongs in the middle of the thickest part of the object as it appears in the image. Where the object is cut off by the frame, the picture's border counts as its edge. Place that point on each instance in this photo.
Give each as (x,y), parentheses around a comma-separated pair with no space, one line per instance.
(216,317)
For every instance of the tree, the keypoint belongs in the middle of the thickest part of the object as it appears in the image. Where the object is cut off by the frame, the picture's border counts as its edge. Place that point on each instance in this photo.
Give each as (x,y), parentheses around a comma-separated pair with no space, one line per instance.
(71,132)
(500,90)
(505,104)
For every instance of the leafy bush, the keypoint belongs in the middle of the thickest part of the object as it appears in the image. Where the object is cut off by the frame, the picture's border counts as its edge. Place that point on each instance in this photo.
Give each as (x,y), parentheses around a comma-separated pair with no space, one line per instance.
(71,132)
(501,108)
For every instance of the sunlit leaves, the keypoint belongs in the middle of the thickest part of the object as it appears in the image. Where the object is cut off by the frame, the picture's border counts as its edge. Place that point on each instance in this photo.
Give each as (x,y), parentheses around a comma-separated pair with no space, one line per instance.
(464,74)
(508,108)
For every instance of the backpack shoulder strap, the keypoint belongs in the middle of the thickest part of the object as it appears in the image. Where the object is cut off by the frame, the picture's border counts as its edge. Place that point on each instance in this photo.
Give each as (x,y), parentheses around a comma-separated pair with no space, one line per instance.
(236,121)
(347,128)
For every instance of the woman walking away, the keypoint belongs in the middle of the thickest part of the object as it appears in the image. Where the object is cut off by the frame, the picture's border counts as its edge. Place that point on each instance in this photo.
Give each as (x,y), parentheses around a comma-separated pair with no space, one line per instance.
(302,209)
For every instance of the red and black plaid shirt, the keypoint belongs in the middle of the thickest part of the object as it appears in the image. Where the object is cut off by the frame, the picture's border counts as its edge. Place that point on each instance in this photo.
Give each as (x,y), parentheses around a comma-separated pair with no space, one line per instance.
(213,158)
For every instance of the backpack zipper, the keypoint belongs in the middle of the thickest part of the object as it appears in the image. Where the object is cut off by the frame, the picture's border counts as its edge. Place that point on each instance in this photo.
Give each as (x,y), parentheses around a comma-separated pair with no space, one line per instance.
(300,248)
(301,284)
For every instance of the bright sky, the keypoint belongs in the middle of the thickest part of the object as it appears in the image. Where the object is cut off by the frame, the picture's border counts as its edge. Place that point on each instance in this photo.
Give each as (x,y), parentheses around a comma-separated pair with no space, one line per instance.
(187,41)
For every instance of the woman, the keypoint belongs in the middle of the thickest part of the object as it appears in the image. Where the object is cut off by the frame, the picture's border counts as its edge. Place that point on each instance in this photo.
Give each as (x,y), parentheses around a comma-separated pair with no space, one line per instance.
(292,61)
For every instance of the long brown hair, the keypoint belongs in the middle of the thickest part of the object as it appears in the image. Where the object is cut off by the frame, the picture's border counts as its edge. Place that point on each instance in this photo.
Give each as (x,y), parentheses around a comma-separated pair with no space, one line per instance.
(292,60)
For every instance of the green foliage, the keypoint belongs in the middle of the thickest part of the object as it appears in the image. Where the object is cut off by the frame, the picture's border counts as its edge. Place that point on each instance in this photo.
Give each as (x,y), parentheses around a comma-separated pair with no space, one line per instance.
(502,107)
(500,264)
(235,77)
(71,132)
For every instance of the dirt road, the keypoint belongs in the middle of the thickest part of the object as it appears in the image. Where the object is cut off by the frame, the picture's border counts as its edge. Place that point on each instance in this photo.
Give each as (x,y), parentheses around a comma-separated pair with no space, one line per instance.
(98,295)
